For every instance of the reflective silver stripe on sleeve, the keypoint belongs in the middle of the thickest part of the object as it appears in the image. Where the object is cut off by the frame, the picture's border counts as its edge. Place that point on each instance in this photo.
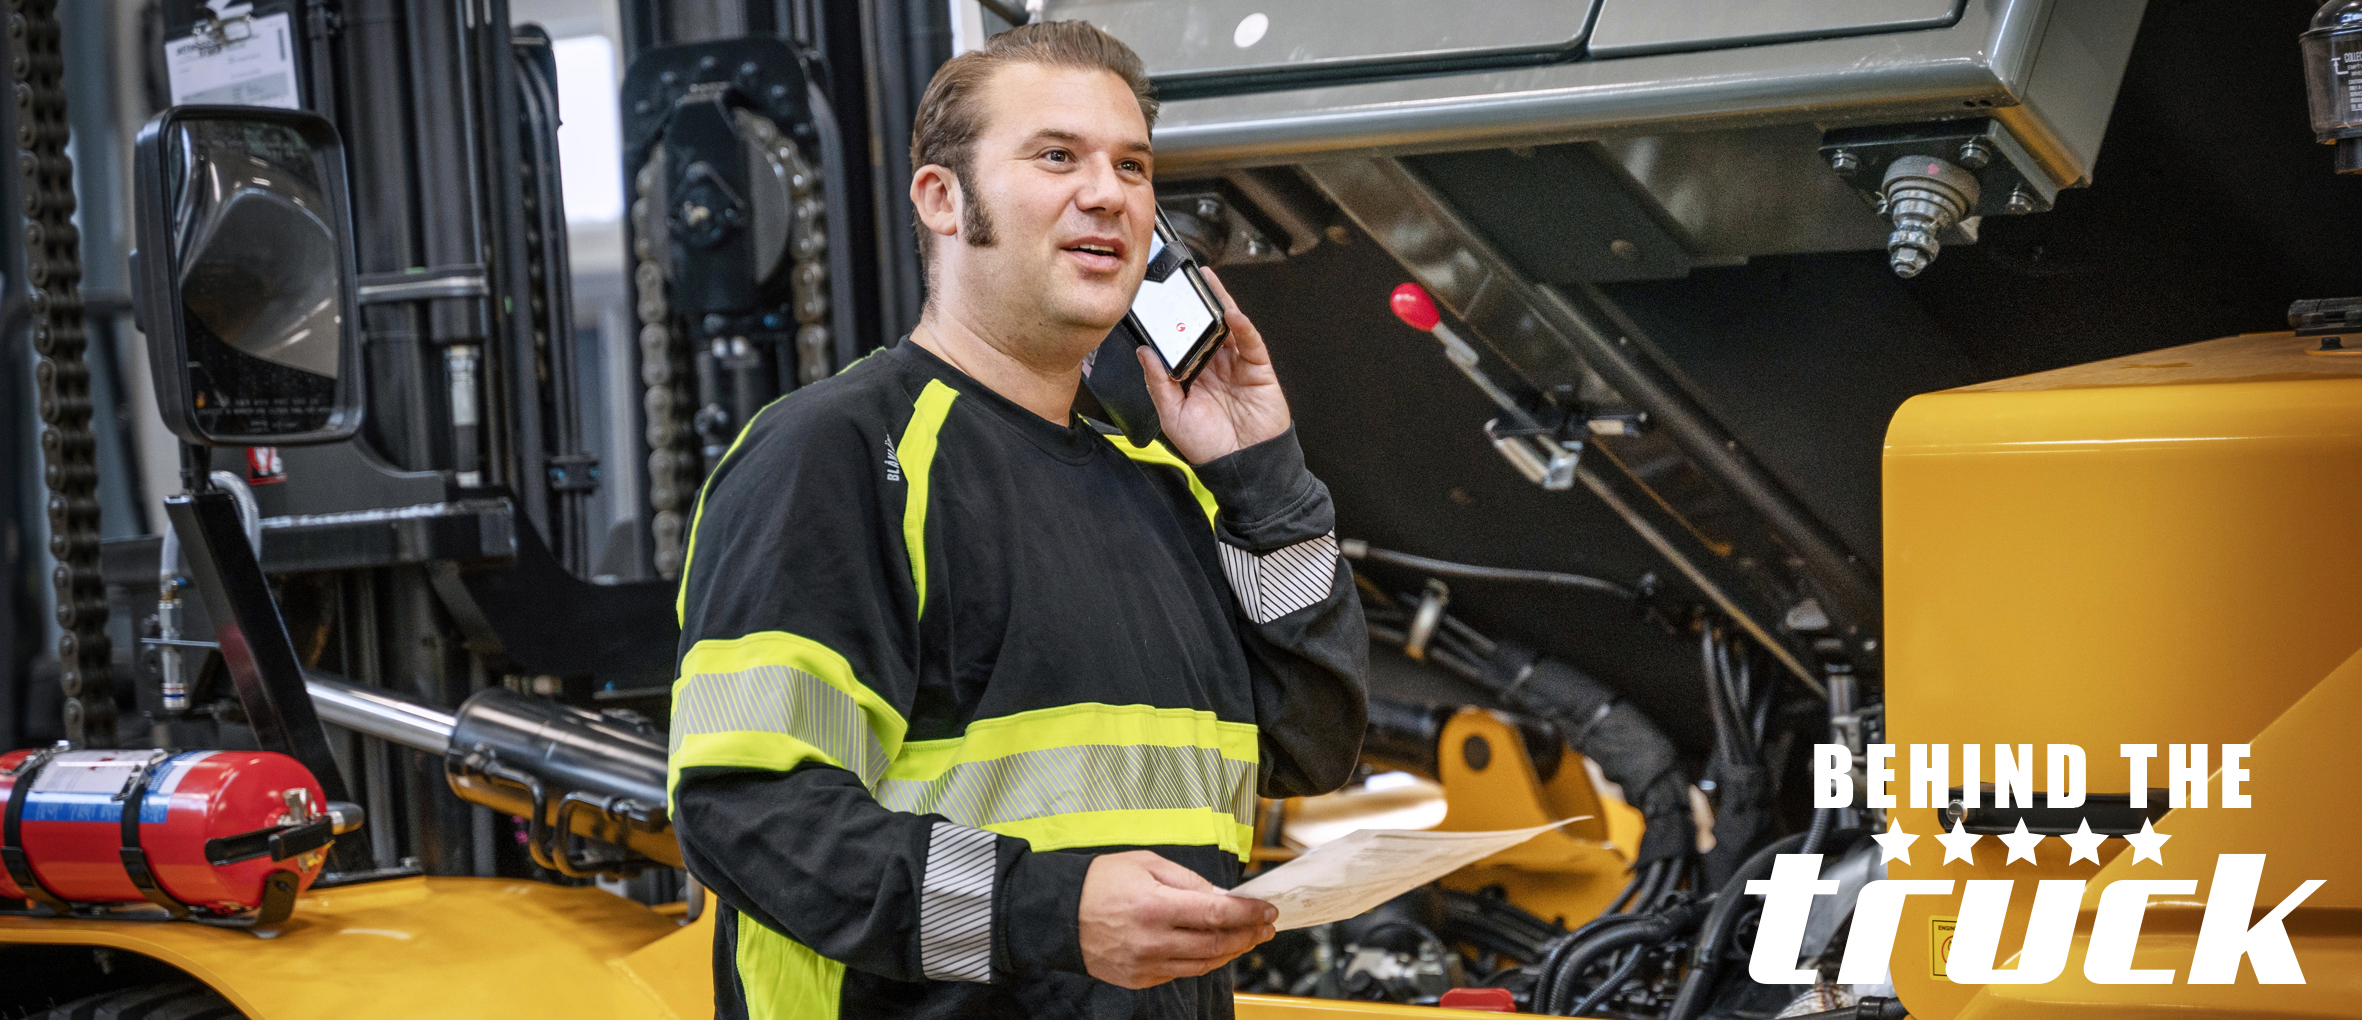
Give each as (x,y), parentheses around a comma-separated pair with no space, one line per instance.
(955,904)
(781,699)
(1273,584)
(1090,777)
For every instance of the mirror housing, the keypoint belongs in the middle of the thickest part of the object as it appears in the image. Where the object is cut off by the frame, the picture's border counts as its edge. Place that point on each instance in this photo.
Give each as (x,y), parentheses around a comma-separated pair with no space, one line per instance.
(245,279)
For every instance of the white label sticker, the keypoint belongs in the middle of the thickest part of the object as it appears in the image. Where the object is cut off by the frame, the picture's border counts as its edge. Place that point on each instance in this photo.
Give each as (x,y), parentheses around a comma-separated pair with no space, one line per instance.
(89,772)
(251,63)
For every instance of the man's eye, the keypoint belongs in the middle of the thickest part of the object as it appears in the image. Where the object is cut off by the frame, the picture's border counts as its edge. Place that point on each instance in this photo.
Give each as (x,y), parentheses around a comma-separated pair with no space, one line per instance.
(1058,156)
(1134,166)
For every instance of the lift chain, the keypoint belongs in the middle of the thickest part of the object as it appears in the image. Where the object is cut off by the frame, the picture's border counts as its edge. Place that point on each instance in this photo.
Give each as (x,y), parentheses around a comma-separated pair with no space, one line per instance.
(664,371)
(673,461)
(69,450)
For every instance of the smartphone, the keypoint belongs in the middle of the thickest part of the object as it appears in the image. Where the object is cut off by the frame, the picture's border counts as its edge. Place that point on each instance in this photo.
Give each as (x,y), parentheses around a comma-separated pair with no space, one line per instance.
(1175,312)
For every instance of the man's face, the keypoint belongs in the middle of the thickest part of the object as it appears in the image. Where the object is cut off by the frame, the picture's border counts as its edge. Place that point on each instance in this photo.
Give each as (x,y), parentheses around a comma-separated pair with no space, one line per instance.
(1059,179)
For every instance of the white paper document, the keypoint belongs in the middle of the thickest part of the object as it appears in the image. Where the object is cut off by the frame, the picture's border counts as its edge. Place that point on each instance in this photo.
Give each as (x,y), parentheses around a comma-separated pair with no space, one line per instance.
(249,63)
(1349,875)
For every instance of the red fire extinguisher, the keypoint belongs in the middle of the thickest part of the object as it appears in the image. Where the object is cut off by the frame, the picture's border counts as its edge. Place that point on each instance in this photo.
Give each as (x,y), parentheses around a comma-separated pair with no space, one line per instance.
(202,834)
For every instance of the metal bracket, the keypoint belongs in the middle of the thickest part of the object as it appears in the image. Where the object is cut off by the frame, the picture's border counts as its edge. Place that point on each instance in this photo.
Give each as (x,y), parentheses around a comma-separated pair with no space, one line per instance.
(1542,457)
(425,284)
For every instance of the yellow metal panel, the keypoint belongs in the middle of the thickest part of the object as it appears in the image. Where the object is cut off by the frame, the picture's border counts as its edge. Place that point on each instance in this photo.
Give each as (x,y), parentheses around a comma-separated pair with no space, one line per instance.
(675,973)
(2151,549)
(1572,873)
(2310,759)
(406,947)
(1284,1007)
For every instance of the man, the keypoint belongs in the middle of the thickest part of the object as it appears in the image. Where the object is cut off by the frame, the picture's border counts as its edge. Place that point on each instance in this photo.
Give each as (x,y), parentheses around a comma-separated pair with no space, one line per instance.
(975,699)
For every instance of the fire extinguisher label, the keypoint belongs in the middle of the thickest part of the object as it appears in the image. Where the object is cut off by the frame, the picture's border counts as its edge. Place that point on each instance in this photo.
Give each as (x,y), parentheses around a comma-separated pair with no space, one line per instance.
(82,786)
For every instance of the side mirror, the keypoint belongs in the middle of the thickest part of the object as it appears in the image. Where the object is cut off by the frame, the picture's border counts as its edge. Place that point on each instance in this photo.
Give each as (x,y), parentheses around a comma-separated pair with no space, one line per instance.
(245,276)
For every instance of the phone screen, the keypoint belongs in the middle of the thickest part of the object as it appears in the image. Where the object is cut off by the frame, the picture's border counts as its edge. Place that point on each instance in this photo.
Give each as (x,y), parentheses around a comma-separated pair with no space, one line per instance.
(1169,308)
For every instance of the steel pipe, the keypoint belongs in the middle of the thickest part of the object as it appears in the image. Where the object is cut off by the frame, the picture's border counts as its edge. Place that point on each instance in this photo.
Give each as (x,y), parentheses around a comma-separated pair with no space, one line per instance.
(382,714)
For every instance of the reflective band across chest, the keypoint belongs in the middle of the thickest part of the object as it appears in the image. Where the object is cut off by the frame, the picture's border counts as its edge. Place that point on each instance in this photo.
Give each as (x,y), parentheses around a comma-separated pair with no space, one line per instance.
(1088,775)
(1066,780)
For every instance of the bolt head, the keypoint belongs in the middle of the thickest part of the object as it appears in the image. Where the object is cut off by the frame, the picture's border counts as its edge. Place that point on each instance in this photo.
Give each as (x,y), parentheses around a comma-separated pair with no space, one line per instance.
(2020,203)
(1975,154)
(1908,262)
(1844,162)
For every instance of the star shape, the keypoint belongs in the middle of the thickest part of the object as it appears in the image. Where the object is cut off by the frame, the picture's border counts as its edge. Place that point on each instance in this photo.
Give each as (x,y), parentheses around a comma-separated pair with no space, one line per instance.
(2084,842)
(2147,843)
(2021,844)
(1894,843)
(1958,845)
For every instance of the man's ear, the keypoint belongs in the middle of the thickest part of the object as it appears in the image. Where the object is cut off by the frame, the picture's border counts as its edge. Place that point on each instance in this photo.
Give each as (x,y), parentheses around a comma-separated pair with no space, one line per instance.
(935,193)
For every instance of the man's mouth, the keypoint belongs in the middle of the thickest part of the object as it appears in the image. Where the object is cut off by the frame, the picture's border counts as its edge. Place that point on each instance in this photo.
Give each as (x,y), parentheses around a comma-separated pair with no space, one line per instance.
(1098,255)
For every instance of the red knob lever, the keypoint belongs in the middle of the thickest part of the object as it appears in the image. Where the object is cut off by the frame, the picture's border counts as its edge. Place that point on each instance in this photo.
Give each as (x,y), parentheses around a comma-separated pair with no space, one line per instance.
(1412,305)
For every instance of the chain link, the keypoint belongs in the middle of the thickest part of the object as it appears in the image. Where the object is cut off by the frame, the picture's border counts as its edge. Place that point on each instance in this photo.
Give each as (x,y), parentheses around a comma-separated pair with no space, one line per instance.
(664,371)
(674,468)
(69,450)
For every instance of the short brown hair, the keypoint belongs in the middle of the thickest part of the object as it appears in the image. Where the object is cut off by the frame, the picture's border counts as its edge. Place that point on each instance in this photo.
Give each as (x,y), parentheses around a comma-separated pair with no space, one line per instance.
(944,132)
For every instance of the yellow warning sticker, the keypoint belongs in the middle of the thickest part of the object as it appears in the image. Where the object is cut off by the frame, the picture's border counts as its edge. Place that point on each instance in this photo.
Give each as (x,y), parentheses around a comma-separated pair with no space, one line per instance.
(1939,944)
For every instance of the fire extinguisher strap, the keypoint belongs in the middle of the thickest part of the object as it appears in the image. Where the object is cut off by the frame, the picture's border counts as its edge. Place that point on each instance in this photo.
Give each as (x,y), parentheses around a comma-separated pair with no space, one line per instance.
(12,850)
(135,859)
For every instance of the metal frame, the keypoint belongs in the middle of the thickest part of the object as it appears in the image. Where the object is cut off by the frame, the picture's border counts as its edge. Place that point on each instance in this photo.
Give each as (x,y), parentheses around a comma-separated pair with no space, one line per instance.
(1576,347)
(1987,62)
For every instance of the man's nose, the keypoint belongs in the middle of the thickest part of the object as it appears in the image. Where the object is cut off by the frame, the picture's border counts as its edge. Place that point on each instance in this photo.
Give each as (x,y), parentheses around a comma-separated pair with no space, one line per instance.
(1102,189)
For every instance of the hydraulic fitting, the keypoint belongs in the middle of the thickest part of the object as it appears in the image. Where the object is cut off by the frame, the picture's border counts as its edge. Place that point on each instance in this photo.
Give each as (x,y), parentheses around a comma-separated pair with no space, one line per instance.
(1923,197)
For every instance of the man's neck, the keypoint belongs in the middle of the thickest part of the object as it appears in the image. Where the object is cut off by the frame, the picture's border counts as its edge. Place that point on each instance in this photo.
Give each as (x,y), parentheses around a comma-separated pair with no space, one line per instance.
(1001,365)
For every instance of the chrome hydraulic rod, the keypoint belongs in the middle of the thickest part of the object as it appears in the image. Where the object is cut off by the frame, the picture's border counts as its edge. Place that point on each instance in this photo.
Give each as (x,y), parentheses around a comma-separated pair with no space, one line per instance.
(382,714)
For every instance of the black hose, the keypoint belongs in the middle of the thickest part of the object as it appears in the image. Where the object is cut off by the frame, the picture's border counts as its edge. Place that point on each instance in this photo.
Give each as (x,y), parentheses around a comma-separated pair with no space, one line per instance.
(1546,969)
(1631,889)
(1871,1008)
(1354,549)
(1496,926)
(1706,957)
(1615,980)
(1646,928)
(1817,837)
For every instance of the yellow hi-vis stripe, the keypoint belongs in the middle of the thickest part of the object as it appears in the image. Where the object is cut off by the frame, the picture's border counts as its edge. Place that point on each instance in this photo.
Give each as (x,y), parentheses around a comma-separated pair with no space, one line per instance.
(1088,775)
(783,978)
(774,700)
(916,454)
(1156,453)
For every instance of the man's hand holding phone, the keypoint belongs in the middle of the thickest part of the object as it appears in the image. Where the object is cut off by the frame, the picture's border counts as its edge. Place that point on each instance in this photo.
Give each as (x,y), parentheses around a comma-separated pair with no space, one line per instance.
(1235,401)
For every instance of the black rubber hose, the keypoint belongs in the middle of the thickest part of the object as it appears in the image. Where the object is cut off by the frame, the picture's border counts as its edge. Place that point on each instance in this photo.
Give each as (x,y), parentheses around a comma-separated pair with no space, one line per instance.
(1615,979)
(1824,822)
(1871,1008)
(1706,957)
(1359,550)
(1649,928)
(1546,969)
(1600,725)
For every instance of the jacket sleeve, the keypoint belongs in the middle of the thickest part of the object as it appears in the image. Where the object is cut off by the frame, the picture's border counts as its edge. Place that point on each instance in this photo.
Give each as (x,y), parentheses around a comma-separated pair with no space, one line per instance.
(796,681)
(1305,639)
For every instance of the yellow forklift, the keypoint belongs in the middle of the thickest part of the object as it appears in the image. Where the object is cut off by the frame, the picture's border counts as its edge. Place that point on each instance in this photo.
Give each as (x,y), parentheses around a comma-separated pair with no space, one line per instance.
(1755,377)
